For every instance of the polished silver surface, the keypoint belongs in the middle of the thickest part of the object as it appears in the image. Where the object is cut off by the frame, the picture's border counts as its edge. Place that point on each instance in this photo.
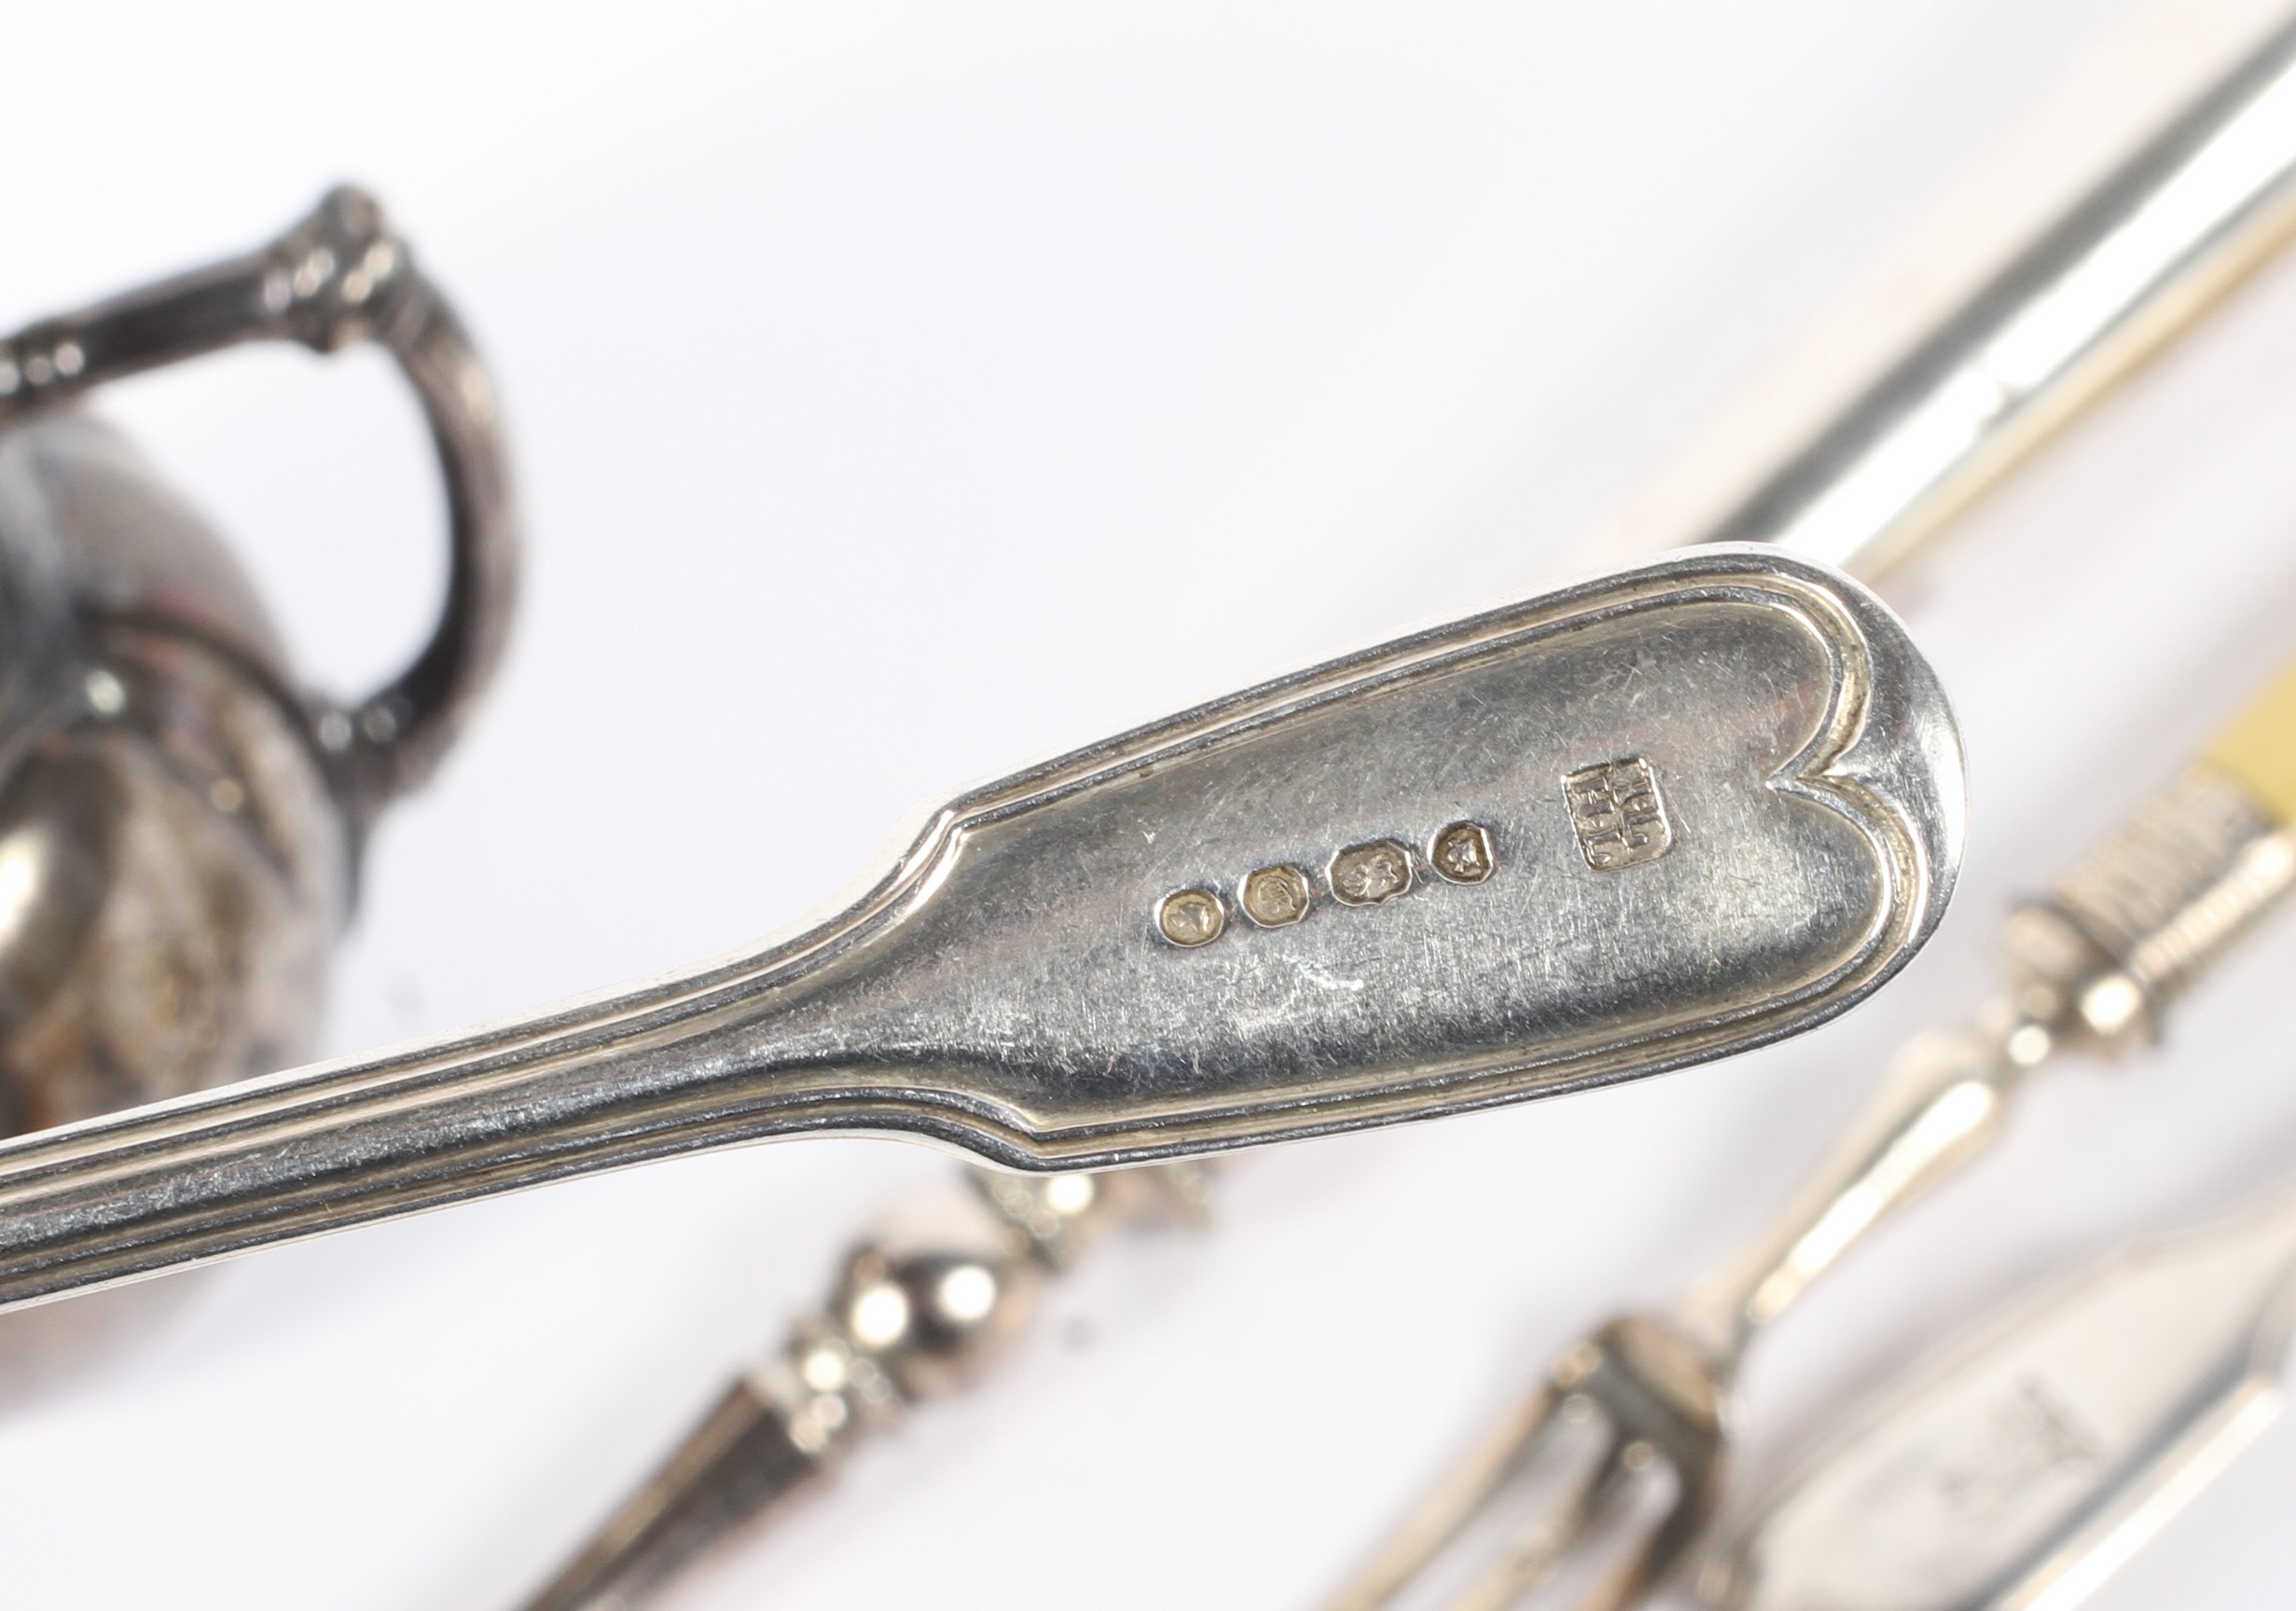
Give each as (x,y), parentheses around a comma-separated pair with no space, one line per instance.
(2094,965)
(2024,1465)
(2171,230)
(2122,271)
(1007,988)
(2194,869)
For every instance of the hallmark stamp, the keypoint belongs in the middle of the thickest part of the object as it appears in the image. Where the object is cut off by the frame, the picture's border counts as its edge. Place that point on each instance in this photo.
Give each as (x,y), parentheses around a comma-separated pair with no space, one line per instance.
(1367,874)
(1462,853)
(1274,896)
(1191,917)
(1370,873)
(1619,813)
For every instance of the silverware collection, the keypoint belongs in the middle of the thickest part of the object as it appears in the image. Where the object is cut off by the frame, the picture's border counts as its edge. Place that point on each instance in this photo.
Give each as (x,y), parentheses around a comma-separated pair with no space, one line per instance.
(1700,803)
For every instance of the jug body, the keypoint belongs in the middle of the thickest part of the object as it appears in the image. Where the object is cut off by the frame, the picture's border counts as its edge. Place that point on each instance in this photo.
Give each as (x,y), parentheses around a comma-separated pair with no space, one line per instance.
(174,865)
(181,819)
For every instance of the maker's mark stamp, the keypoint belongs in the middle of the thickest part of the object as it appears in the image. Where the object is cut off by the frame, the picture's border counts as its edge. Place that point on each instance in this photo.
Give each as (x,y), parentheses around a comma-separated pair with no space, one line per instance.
(1619,813)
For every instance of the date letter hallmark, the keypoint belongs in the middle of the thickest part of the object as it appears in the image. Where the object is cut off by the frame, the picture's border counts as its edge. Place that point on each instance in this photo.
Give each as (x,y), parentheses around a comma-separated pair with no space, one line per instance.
(1462,853)
(1621,818)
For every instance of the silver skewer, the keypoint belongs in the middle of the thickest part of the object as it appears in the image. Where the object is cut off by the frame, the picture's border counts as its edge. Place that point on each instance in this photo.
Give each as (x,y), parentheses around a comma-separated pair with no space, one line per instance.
(2122,271)
(924,1304)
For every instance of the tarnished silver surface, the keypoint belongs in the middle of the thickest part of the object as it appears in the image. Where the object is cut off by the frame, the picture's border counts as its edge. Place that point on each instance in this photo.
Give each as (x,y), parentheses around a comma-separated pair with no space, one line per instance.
(179,820)
(173,870)
(337,277)
(2023,1465)
(1007,988)
(2096,964)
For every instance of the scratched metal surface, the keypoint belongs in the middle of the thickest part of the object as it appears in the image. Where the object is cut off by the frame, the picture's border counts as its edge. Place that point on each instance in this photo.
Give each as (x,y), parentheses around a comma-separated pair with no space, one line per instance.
(1017,984)
(1034,953)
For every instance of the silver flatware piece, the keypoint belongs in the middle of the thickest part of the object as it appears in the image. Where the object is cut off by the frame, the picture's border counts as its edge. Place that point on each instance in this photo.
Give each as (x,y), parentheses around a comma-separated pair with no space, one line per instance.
(1635,824)
(2095,965)
(2026,1463)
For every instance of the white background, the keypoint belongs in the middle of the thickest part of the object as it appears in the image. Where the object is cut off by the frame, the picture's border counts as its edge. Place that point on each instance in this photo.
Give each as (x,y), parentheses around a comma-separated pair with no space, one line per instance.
(906,393)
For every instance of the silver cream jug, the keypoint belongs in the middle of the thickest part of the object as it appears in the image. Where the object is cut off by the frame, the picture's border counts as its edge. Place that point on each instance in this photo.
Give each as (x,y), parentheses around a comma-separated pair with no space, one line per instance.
(181,818)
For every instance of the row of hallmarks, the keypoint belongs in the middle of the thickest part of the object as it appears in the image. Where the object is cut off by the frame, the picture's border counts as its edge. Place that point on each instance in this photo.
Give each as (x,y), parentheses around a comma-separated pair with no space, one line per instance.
(1368,874)
(1615,808)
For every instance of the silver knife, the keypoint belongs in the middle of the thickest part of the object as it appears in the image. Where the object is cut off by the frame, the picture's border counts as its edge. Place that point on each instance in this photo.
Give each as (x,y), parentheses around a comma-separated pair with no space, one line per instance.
(2024,1465)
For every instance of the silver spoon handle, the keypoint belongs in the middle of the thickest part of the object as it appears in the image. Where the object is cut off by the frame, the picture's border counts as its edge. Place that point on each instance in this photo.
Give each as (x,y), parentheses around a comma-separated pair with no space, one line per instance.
(1304,908)
(274,1159)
